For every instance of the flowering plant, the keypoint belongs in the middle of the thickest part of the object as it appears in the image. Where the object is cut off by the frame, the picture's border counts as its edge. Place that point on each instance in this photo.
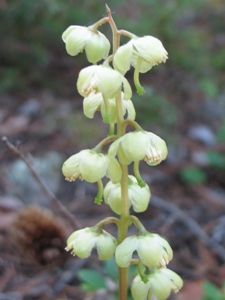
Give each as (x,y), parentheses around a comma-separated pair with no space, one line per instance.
(105,88)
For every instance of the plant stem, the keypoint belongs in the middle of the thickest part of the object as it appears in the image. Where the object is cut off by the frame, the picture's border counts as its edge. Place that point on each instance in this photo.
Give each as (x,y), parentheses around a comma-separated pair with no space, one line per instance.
(140,181)
(124,219)
(111,129)
(120,119)
(108,220)
(127,33)
(138,224)
(125,213)
(132,123)
(98,198)
(104,142)
(139,87)
(116,35)
(106,102)
(122,231)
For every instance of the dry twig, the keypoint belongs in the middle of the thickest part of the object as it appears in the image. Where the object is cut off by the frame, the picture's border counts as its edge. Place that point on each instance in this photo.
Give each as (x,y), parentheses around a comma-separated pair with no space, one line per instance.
(57,205)
(190,223)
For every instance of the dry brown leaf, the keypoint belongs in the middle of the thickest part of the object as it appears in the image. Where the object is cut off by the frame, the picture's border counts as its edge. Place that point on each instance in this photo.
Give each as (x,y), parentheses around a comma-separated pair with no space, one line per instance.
(191,290)
(14,125)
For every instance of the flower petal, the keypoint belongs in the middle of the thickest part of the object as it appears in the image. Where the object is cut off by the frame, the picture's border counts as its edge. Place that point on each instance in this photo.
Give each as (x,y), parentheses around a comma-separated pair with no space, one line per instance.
(84,243)
(71,239)
(91,104)
(97,47)
(68,31)
(160,285)
(134,145)
(129,107)
(122,58)
(112,111)
(149,251)
(125,251)
(176,281)
(106,245)
(93,167)
(71,168)
(140,290)
(124,160)
(145,66)
(114,147)
(85,82)
(112,197)
(150,49)
(157,150)
(168,254)
(75,39)
(114,171)
(139,197)
(108,81)
(126,89)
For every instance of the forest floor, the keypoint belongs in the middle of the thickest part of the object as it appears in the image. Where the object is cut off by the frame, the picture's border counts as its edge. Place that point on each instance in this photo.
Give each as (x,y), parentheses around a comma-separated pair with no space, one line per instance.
(187,204)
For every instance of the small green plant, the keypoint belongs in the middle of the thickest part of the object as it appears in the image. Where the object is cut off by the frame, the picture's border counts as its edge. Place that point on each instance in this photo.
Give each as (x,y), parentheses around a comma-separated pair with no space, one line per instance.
(105,89)
(212,292)
(193,175)
(217,159)
(93,280)
(214,159)
(221,132)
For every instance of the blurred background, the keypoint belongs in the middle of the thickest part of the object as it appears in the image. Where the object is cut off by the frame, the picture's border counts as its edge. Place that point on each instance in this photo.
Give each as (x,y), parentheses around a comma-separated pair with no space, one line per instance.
(41,114)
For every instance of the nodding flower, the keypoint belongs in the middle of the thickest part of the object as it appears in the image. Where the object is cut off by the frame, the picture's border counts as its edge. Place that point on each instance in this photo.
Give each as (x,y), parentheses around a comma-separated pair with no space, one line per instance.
(138,197)
(152,250)
(91,166)
(79,38)
(148,50)
(95,102)
(102,79)
(81,243)
(139,145)
(159,285)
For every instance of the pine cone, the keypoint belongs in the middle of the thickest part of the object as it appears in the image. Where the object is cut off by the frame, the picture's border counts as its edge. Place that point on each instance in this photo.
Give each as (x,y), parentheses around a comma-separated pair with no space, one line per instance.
(39,236)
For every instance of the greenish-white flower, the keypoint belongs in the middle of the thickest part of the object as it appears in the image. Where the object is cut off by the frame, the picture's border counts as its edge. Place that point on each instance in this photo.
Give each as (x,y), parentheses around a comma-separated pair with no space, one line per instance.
(79,38)
(159,286)
(81,243)
(94,102)
(102,79)
(138,197)
(91,166)
(148,49)
(152,250)
(139,145)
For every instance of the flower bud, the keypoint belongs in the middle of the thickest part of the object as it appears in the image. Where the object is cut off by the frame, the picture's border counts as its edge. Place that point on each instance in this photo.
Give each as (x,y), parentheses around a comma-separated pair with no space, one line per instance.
(138,197)
(94,102)
(79,38)
(148,48)
(159,285)
(91,166)
(102,79)
(138,145)
(82,241)
(152,250)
